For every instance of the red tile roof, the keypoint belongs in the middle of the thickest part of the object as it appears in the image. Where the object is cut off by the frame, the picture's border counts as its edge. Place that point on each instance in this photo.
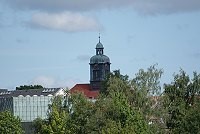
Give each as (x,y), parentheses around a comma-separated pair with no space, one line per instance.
(85,89)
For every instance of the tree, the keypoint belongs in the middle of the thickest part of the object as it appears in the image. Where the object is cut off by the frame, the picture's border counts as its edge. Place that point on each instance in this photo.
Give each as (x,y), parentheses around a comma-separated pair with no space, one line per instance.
(109,114)
(122,107)
(27,87)
(129,119)
(80,110)
(145,85)
(37,125)
(114,114)
(140,92)
(191,121)
(10,124)
(68,115)
(181,100)
(57,119)
(114,74)
(145,97)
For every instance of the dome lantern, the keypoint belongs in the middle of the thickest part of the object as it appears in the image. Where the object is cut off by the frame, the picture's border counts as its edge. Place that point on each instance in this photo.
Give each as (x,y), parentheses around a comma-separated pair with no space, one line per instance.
(99,48)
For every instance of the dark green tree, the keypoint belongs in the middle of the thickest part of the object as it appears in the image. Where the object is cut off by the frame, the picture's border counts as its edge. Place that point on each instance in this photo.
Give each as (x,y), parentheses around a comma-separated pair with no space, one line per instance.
(181,100)
(9,124)
(81,110)
(37,125)
(191,122)
(114,74)
(140,92)
(145,97)
(124,106)
(27,87)
(110,114)
(114,114)
(57,119)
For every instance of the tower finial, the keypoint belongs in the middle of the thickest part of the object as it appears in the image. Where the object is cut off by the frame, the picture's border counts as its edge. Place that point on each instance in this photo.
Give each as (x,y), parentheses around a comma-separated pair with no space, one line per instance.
(99,38)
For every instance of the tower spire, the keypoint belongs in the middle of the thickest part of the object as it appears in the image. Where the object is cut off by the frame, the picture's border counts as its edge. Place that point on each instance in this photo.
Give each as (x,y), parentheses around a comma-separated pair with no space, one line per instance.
(99,38)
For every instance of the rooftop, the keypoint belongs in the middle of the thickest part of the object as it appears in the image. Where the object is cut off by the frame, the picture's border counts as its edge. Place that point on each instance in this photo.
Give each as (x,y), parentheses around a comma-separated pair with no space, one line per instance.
(86,90)
(30,92)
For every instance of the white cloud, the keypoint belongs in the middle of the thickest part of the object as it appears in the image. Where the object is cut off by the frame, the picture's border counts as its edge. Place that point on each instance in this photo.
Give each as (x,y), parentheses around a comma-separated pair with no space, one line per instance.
(141,6)
(65,21)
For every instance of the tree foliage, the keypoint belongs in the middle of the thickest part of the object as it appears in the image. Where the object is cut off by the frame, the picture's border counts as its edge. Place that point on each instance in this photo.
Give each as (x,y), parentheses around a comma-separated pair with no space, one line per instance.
(181,99)
(148,81)
(112,75)
(114,114)
(128,106)
(9,124)
(109,114)
(27,87)
(145,97)
(57,119)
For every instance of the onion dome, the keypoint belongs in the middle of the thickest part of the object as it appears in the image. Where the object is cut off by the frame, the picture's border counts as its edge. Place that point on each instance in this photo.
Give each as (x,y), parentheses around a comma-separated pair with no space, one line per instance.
(99,59)
(99,46)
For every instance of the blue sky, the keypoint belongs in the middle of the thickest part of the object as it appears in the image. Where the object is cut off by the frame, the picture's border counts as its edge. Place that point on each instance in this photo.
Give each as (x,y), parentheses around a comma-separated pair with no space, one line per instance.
(50,42)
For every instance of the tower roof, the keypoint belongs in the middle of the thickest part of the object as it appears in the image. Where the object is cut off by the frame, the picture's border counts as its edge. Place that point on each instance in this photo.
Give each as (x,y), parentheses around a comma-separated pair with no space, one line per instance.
(99,59)
(99,45)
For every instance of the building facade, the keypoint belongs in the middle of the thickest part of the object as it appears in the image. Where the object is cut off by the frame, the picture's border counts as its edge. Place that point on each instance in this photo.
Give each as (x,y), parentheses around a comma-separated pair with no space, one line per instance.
(29,104)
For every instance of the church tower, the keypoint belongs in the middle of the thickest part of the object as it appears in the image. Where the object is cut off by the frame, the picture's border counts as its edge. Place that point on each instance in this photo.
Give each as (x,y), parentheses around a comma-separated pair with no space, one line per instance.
(99,67)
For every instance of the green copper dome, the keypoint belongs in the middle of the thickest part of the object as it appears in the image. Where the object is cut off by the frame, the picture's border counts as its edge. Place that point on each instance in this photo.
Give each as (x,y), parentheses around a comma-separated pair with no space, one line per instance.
(99,59)
(99,46)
